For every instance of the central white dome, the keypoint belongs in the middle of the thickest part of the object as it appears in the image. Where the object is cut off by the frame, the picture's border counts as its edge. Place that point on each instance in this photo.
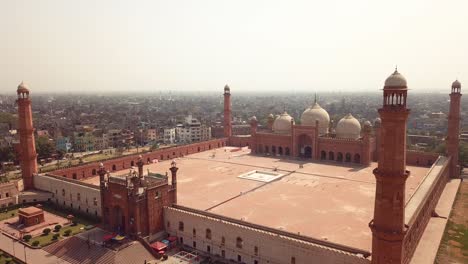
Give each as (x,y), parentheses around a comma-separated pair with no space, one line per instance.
(316,112)
(282,123)
(348,127)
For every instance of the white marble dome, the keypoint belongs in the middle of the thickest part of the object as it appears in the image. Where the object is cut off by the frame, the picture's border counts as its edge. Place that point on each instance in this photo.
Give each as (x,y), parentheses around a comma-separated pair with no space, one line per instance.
(377,122)
(316,112)
(282,123)
(367,127)
(348,127)
(395,81)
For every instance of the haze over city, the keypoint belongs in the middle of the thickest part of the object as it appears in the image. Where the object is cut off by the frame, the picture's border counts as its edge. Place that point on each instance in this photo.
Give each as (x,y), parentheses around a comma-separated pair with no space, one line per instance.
(151,46)
(223,132)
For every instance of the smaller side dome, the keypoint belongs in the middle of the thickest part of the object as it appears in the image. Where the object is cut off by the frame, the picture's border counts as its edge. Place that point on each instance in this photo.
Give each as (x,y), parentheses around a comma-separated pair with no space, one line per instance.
(253,120)
(456,84)
(348,127)
(282,123)
(395,81)
(367,127)
(377,122)
(22,88)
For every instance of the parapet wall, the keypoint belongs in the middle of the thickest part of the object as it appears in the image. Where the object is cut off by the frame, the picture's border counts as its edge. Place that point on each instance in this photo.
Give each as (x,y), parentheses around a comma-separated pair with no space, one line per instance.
(246,242)
(240,141)
(90,169)
(421,205)
(419,158)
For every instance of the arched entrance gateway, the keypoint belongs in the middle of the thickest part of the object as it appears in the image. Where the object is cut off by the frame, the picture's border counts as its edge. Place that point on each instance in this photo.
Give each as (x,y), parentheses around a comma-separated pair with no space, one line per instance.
(305,146)
(308,152)
(119,220)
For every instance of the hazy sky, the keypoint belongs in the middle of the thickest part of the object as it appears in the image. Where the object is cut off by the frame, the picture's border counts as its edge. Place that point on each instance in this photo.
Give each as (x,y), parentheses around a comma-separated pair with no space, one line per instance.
(97,45)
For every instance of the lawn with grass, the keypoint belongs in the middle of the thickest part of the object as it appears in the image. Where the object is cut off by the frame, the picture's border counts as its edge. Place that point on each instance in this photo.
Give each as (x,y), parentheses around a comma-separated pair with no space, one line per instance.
(81,223)
(98,157)
(52,167)
(6,259)
(64,214)
(8,214)
(45,240)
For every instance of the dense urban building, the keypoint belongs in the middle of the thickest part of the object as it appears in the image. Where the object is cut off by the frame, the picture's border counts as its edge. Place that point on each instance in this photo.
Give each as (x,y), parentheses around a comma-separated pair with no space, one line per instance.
(191,130)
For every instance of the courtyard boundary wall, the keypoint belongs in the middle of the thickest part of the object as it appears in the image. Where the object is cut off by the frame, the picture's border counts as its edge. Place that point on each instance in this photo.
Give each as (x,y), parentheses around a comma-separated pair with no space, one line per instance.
(246,242)
(240,141)
(421,205)
(87,170)
(420,158)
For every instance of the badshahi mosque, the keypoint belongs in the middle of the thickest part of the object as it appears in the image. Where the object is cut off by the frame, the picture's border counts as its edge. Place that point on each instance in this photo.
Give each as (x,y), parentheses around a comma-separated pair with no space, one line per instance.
(287,193)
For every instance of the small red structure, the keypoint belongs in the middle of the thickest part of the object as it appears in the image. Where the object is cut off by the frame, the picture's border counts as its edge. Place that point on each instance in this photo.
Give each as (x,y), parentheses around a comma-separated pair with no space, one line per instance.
(30,216)
(159,246)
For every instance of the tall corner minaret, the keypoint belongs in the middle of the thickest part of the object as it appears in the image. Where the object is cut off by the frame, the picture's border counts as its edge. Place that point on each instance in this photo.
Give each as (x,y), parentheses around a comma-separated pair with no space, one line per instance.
(453,132)
(253,134)
(227,112)
(388,226)
(28,155)
(174,170)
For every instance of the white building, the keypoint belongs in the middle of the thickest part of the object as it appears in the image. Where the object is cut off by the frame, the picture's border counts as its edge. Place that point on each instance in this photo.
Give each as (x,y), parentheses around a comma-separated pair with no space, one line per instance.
(192,131)
(169,135)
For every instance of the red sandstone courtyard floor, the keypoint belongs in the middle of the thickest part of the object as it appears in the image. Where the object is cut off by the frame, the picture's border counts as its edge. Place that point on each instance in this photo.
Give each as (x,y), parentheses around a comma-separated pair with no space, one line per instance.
(325,200)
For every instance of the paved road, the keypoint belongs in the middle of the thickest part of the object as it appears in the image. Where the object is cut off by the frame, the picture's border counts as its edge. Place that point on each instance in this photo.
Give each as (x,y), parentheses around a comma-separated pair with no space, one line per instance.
(32,255)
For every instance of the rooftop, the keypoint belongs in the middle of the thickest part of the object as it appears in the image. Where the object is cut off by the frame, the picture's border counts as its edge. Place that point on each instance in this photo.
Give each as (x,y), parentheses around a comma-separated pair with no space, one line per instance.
(30,210)
(324,200)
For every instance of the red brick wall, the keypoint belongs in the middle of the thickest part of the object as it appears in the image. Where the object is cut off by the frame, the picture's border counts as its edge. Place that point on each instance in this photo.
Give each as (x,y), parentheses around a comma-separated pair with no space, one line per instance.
(31,220)
(421,158)
(90,169)
(155,207)
(418,223)
(237,141)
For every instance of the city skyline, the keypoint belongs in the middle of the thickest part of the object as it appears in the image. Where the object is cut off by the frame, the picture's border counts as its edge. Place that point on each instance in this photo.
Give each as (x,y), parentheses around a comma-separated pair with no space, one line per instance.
(252,46)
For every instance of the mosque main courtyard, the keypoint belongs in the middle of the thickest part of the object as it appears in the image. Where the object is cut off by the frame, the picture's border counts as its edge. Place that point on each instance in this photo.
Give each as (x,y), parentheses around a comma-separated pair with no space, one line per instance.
(324,200)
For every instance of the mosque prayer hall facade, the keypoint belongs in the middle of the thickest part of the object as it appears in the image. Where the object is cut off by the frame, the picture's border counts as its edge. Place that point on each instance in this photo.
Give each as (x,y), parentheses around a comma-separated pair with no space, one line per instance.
(313,192)
(315,138)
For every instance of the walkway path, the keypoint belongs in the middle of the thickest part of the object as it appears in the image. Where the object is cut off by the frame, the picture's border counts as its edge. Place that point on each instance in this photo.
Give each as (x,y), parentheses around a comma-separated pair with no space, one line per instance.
(426,250)
(76,250)
(32,255)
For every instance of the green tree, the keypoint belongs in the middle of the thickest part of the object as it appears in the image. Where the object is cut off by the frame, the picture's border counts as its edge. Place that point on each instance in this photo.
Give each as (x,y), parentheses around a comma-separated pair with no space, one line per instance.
(463,153)
(60,154)
(46,231)
(7,154)
(44,147)
(440,148)
(154,146)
